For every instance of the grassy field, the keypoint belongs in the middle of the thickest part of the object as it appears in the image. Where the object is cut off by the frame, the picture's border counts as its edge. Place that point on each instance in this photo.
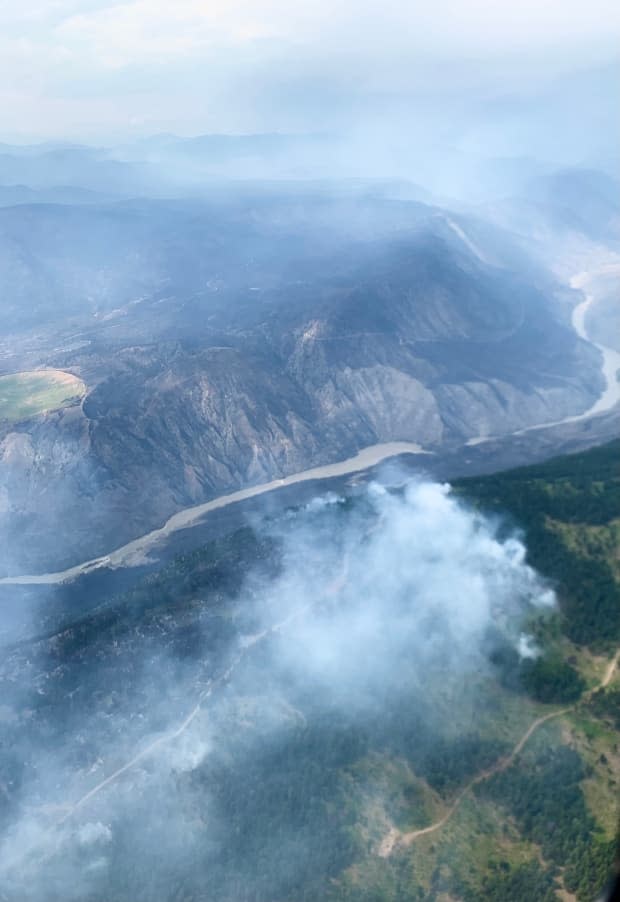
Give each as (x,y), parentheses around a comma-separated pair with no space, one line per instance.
(24,395)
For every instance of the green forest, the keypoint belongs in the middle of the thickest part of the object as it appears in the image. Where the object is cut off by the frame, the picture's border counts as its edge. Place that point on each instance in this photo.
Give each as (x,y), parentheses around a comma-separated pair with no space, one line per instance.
(569,511)
(304,795)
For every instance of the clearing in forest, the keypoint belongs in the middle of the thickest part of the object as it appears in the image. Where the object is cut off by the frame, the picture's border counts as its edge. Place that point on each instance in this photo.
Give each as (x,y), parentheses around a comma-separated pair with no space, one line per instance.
(25,394)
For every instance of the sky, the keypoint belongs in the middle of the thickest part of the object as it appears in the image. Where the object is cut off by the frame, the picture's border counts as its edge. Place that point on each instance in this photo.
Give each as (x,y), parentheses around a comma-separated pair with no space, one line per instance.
(84,69)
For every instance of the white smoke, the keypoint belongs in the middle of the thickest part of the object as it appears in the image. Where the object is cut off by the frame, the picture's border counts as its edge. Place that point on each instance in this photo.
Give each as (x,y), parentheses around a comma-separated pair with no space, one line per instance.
(391,593)
(421,574)
(527,648)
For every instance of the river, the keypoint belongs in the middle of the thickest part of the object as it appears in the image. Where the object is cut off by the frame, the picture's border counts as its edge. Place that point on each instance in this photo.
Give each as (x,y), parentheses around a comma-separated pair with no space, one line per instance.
(610,362)
(134,552)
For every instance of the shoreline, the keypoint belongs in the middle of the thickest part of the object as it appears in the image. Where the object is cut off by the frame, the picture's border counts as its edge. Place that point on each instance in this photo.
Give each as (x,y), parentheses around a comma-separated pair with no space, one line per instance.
(610,367)
(133,552)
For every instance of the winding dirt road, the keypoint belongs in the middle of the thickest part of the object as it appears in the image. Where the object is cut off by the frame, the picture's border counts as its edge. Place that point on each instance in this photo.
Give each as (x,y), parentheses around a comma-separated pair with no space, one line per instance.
(165,738)
(335,586)
(395,839)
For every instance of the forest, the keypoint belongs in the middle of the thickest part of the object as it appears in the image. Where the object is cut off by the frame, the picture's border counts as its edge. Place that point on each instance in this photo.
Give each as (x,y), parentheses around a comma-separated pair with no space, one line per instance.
(302,790)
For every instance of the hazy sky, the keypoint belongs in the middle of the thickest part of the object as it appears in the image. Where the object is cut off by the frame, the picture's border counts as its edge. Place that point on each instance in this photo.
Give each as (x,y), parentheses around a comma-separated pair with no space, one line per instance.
(93,68)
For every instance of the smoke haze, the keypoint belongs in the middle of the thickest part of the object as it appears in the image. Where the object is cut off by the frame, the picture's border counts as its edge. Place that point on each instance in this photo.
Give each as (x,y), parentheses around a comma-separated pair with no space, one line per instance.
(382,609)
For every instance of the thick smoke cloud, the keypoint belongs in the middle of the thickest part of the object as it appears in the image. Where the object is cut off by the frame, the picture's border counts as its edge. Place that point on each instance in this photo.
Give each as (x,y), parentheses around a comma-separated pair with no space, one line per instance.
(390,599)
(428,570)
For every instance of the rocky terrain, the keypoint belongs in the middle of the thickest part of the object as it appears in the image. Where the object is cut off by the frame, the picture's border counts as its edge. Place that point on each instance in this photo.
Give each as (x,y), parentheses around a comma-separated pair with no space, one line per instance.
(233,340)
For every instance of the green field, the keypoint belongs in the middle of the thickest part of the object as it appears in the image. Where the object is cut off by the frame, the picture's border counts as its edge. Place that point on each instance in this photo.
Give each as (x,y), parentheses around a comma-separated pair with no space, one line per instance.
(24,395)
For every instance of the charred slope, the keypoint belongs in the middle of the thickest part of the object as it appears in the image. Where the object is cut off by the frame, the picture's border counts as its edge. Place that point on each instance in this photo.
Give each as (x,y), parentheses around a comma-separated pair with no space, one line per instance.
(267,336)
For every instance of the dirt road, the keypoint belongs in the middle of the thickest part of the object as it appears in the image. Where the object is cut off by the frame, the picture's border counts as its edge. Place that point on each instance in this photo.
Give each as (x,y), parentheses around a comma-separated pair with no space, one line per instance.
(394,838)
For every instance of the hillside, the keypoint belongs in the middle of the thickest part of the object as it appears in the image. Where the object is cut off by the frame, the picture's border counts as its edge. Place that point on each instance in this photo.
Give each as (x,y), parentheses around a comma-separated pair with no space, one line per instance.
(309,451)
(272,711)
(230,341)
